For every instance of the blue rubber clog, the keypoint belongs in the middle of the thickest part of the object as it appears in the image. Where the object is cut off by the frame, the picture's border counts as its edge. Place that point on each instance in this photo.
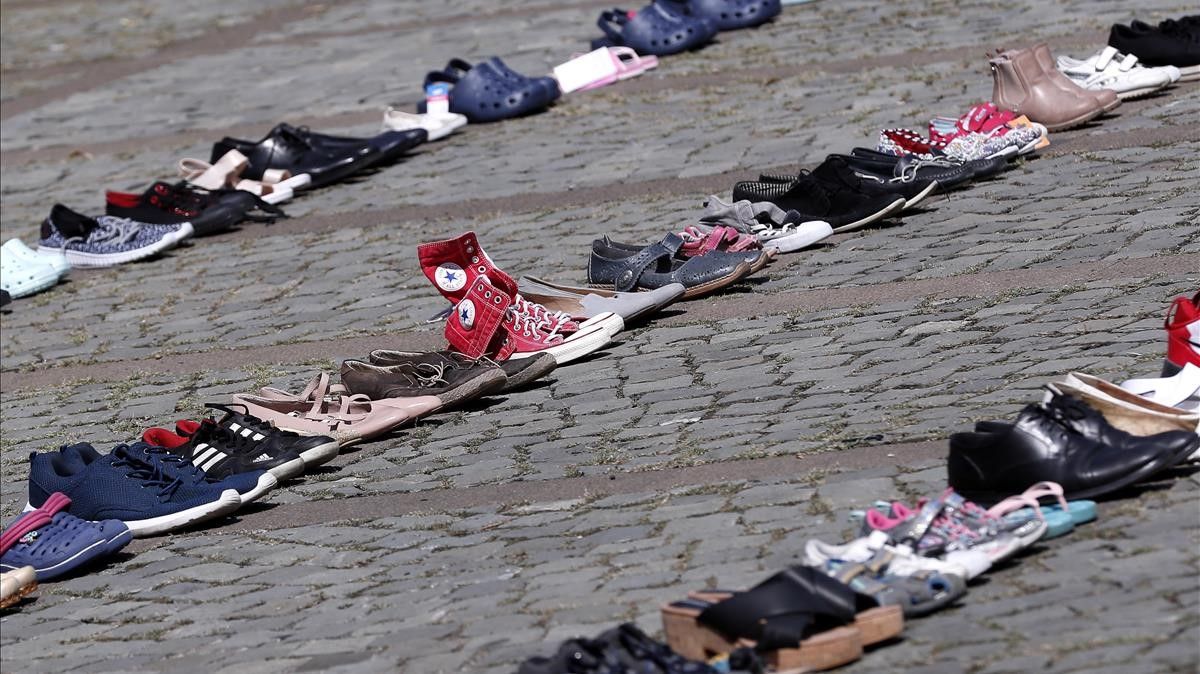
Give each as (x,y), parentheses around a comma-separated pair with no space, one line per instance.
(65,544)
(729,14)
(484,94)
(654,30)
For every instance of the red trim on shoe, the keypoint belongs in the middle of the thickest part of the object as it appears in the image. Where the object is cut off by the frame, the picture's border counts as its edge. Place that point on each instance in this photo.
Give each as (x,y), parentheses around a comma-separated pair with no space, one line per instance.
(122,199)
(161,437)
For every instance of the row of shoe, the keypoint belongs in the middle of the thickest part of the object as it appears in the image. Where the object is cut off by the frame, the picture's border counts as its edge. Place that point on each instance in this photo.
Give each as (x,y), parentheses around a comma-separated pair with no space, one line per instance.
(490,91)
(910,561)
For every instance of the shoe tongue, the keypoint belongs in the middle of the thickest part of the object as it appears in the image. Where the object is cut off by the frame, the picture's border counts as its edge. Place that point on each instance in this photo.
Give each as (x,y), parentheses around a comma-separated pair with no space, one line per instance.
(71,224)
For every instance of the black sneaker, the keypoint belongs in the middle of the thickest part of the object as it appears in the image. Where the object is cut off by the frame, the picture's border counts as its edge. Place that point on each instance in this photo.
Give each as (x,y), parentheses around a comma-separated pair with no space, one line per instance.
(286,148)
(878,177)
(5,298)
(1171,43)
(221,453)
(208,212)
(837,199)
(315,450)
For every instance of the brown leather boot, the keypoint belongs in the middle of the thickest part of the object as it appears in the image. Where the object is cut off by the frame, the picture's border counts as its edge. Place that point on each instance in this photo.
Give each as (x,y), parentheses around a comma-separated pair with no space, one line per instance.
(1018,84)
(1107,98)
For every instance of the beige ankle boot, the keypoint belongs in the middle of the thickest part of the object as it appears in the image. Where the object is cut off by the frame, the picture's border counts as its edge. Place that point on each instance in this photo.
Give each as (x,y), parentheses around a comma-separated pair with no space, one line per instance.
(1106,98)
(1018,84)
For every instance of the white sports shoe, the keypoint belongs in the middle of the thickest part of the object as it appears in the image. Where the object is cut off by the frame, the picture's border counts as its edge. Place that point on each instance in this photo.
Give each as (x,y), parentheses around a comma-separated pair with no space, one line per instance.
(964,563)
(437,125)
(790,237)
(1110,69)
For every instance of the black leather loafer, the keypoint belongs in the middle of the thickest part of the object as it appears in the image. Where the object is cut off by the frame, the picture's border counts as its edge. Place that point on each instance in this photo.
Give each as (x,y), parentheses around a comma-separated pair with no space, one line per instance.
(1044,445)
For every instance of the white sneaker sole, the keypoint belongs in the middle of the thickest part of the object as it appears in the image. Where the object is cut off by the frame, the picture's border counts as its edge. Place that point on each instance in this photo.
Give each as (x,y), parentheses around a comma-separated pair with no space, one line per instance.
(612,323)
(266,482)
(321,454)
(1140,91)
(581,344)
(82,259)
(228,502)
(896,206)
(1189,73)
(289,470)
(933,185)
(806,234)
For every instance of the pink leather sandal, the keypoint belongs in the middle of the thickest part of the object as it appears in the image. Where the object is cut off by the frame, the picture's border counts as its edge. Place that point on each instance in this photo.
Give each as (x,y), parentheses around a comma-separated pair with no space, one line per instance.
(322,409)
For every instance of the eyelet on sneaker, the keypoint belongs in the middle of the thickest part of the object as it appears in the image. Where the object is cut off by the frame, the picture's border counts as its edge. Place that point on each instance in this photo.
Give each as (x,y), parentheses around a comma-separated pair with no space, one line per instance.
(482,269)
(488,295)
(497,299)
(475,260)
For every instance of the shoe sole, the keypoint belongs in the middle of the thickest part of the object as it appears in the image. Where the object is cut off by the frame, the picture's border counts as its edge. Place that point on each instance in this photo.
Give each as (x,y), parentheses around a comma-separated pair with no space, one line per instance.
(1133,94)
(921,195)
(81,259)
(535,370)
(1189,74)
(896,207)
(34,287)
(581,344)
(289,470)
(486,382)
(1082,119)
(321,454)
(17,596)
(611,322)
(228,502)
(266,482)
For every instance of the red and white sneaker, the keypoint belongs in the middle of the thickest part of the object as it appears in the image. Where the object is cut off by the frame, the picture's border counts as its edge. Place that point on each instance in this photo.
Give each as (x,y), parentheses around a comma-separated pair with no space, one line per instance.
(484,322)
(452,265)
(1183,334)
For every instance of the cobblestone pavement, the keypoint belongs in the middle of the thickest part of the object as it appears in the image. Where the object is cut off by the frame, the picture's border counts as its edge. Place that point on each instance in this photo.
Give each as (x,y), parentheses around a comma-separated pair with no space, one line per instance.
(702,448)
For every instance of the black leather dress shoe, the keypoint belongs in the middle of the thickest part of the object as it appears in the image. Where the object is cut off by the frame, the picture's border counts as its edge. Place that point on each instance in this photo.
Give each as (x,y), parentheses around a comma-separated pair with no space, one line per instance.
(288,150)
(1043,445)
(390,144)
(1092,425)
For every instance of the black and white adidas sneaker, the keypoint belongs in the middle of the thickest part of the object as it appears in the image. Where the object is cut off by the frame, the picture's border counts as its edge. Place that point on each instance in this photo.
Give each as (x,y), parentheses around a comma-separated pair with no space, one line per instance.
(220,452)
(314,449)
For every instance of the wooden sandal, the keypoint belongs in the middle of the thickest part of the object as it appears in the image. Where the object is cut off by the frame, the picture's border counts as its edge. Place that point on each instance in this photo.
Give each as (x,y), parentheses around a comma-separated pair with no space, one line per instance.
(876,621)
(793,629)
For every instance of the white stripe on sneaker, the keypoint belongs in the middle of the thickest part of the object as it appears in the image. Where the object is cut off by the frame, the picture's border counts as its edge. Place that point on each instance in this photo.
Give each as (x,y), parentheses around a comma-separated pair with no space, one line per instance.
(214,461)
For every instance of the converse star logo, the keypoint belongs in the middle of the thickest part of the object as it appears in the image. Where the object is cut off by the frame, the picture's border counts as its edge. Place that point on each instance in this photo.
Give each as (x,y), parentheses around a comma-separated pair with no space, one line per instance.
(450,277)
(466,313)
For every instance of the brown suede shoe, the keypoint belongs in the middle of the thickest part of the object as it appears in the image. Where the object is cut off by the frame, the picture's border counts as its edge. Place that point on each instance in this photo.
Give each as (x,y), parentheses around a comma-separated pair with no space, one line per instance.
(421,374)
(518,373)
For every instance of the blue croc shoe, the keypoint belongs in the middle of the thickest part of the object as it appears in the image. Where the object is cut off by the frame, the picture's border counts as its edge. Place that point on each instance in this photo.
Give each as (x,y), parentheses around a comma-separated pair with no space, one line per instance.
(150,496)
(484,95)
(546,86)
(729,14)
(56,543)
(654,30)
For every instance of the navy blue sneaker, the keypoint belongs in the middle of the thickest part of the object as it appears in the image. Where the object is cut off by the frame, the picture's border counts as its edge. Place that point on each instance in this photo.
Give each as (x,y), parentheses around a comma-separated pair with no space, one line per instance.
(130,485)
(56,543)
(250,485)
